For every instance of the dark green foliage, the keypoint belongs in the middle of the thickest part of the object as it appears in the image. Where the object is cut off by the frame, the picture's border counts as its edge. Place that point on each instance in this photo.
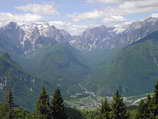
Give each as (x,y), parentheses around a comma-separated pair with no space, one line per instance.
(9,101)
(57,106)
(105,110)
(73,113)
(154,103)
(89,114)
(105,107)
(133,113)
(56,109)
(116,110)
(42,107)
(8,109)
(148,108)
(143,111)
(9,104)
(119,109)
(155,100)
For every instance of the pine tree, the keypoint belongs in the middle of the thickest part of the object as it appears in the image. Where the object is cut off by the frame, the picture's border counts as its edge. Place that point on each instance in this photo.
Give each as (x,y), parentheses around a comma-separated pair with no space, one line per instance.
(144,110)
(153,105)
(119,110)
(9,104)
(9,99)
(155,97)
(42,107)
(57,106)
(155,101)
(104,110)
(149,113)
(142,107)
(148,108)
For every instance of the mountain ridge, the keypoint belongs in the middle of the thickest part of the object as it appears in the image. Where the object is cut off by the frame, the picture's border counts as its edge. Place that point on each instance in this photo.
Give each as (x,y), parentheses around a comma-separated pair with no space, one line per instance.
(100,61)
(29,37)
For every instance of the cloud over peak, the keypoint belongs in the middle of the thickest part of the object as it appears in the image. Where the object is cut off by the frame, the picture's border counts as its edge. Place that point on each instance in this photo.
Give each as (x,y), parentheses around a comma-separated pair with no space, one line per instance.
(40,9)
(8,17)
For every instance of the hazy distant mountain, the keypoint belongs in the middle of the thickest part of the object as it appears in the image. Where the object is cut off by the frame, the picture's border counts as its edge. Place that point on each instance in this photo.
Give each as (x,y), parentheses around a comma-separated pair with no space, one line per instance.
(101,59)
(60,65)
(133,70)
(105,37)
(23,85)
(44,52)
(26,38)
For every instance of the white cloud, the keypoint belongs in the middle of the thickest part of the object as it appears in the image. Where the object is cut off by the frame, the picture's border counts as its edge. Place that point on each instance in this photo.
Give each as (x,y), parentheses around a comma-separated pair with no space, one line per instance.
(87,15)
(57,23)
(141,6)
(154,15)
(71,27)
(7,17)
(104,1)
(77,29)
(110,18)
(40,9)
(126,7)
(117,13)
(112,1)
(113,20)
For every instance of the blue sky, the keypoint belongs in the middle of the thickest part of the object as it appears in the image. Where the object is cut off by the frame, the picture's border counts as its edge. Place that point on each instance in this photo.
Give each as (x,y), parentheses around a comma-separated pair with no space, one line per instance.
(77,14)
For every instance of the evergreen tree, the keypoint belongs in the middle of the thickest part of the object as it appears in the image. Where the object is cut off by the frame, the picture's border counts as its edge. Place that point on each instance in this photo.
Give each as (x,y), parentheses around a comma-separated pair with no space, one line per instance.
(155,97)
(119,110)
(9,104)
(153,104)
(9,101)
(105,110)
(57,106)
(42,107)
(144,110)
(154,107)
(149,113)
(148,108)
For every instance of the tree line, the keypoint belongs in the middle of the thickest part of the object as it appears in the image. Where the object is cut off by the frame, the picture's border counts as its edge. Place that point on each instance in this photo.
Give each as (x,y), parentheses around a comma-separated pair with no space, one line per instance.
(117,109)
(54,108)
(45,109)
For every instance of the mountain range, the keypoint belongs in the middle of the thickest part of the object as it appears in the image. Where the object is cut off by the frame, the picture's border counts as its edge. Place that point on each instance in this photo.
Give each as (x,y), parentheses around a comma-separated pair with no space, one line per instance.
(35,35)
(98,61)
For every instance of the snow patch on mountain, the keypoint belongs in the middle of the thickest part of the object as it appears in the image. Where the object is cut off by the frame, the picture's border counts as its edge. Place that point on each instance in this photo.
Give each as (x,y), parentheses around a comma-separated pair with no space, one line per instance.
(30,36)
